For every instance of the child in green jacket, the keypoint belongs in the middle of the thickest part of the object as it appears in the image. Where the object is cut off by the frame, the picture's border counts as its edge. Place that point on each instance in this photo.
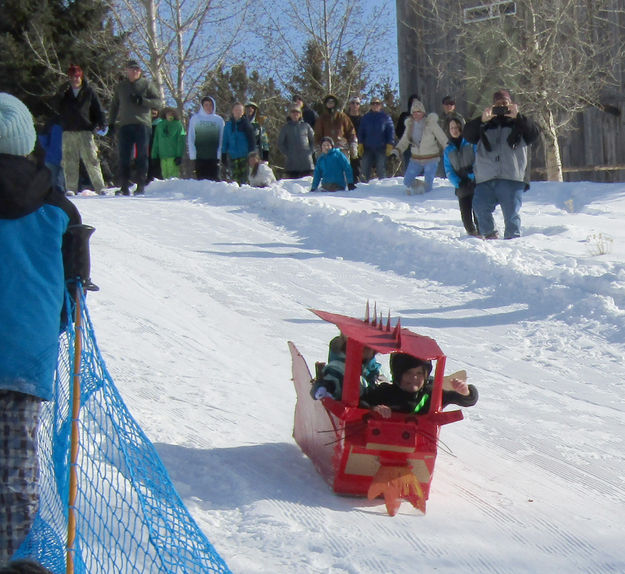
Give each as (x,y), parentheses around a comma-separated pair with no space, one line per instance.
(169,142)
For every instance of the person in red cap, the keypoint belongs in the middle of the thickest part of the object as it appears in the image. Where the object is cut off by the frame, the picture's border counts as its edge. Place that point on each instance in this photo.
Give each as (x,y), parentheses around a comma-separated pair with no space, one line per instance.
(503,136)
(80,114)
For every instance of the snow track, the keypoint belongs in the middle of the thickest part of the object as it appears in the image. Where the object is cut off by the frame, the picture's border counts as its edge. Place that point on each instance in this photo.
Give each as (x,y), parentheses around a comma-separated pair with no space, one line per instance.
(203,284)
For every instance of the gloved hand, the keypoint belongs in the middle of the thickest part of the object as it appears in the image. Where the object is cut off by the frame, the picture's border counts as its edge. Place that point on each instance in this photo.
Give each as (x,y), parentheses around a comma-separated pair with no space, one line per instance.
(361,150)
(389,149)
(353,150)
(351,186)
(177,160)
(136,99)
(464,181)
(395,153)
(322,393)
(102,130)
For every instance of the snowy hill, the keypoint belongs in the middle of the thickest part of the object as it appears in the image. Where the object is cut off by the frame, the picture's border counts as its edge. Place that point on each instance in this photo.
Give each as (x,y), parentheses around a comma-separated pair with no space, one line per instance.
(202,284)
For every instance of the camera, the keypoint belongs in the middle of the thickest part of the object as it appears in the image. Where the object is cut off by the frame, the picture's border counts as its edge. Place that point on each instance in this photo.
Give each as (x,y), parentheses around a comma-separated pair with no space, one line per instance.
(500,110)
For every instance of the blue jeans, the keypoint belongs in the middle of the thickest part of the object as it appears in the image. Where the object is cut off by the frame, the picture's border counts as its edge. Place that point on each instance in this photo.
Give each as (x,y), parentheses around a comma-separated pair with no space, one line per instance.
(508,194)
(130,135)
(373,157)
(426,168)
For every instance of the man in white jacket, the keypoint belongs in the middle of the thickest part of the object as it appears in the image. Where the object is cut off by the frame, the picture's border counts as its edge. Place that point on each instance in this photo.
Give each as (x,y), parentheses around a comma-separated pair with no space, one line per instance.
(204,139)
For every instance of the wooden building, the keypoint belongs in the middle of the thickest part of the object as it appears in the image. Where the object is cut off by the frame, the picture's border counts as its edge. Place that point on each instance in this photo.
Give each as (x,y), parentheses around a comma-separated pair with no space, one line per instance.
(594,149)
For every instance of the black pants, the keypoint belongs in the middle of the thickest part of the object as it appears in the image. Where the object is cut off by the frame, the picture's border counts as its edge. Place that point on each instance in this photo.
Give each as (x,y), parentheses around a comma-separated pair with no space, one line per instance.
(355,163)
(133,135)
(207,169)
(467,214)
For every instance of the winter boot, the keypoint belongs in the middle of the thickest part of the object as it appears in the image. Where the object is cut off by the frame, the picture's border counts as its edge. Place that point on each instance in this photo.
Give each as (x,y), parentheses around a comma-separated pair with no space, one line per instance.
(76,258)
(418,187)
(124,188)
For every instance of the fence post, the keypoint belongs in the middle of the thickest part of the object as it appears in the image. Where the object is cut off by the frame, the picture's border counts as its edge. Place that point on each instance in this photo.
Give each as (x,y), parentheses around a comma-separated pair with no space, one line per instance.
(74,443)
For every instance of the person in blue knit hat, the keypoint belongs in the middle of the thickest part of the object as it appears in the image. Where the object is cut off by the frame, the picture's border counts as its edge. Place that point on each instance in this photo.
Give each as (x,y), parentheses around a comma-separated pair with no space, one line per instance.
(43,243)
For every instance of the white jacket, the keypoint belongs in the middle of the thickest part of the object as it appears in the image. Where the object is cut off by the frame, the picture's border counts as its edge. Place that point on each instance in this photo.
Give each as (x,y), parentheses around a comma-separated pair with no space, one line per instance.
(264,176)
(205,130)
(433,141)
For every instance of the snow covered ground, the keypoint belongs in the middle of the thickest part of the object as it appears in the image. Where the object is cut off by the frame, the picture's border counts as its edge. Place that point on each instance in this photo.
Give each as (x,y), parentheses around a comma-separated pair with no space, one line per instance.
(202,285)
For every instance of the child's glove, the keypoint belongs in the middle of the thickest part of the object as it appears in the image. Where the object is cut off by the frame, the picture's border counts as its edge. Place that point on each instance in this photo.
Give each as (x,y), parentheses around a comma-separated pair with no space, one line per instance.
(361,150)
(389,149)
(395,153)
(322,393)
(351,186)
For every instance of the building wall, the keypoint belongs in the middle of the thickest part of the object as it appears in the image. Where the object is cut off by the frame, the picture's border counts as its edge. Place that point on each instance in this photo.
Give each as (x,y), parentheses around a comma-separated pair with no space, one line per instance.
(597,138)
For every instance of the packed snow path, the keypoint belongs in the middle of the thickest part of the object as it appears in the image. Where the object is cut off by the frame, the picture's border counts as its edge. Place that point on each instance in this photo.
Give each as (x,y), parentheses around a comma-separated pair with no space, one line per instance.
(202,284)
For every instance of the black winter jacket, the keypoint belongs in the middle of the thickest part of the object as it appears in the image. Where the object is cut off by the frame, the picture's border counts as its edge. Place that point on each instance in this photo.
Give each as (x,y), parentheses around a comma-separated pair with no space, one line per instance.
(80,113)
(401,401)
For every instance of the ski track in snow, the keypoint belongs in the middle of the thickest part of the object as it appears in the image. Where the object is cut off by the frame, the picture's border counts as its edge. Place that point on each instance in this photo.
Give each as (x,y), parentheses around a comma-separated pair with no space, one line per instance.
(203,284)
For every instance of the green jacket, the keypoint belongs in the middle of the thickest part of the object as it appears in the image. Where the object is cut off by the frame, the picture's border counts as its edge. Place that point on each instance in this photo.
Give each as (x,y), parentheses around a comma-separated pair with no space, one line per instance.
(125,110)
(169,140)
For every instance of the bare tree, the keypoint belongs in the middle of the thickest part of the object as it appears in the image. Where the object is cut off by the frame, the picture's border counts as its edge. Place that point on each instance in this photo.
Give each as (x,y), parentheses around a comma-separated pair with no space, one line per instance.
(181,41)
(557,56)
(330,32)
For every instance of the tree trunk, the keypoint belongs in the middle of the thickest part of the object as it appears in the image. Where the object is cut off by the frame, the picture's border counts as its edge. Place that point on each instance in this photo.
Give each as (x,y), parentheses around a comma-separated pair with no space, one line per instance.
(553,160)
(154,47)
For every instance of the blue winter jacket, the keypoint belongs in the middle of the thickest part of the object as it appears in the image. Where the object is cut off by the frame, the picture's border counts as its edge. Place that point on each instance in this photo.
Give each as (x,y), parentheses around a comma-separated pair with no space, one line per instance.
(238,138)
(332,168)
(376,130)
(51,140)
(33,220)
(458,161)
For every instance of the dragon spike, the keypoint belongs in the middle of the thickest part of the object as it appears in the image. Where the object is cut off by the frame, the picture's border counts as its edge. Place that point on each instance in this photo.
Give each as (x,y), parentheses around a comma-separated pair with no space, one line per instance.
(388,321)
(367,312)
(397,333)
(375,313)
(381,326)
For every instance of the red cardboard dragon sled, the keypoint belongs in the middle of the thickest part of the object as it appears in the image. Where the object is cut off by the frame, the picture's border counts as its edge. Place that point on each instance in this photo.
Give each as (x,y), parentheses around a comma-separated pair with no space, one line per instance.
(355,451)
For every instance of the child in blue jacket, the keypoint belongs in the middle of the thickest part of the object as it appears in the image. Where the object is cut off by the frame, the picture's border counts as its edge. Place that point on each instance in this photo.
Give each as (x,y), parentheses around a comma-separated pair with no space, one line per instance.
(51,140)
(41,237)
(333,170)
(238,142)
(458,158)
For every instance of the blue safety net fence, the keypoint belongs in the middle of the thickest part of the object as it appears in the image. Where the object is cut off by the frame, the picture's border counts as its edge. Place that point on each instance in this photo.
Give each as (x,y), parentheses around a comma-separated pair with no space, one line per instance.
(129,517)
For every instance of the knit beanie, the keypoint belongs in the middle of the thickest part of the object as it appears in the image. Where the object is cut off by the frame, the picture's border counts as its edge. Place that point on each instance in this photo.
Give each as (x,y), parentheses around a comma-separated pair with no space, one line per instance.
(399,363)
(327,139)
(417,106)
(17,131)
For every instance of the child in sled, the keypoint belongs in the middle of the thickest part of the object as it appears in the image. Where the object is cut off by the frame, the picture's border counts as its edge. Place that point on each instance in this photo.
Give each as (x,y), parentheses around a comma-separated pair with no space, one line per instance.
(411,389)
(333,170)
(329,382)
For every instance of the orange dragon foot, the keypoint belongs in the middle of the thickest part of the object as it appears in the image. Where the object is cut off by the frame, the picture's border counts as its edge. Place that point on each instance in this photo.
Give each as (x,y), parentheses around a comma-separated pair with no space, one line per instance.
(395,483)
